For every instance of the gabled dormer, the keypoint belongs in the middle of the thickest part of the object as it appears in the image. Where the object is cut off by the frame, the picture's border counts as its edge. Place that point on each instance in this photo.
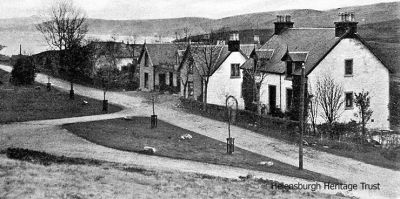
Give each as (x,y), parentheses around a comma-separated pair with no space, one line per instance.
(294,61)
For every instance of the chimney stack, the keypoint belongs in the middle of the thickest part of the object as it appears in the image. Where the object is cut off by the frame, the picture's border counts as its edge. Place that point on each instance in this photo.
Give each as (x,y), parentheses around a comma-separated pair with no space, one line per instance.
(347,22)
(234,42)
(283,22)
(256,39)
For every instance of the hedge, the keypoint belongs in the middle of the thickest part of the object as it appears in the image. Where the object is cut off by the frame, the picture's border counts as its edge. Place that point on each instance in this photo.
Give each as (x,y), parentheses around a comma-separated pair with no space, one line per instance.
(242,117)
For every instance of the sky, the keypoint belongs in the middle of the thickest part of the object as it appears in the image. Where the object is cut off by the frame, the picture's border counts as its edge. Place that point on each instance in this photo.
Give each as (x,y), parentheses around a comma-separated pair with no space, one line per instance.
(156,9)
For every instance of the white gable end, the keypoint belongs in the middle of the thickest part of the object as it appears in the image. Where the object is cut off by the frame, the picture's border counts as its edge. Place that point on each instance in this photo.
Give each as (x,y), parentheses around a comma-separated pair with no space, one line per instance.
(221,84)
(369,74)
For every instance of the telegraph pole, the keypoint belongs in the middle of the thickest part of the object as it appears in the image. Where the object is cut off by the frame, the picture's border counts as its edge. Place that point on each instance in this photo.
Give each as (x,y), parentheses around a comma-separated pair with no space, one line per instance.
(302,93)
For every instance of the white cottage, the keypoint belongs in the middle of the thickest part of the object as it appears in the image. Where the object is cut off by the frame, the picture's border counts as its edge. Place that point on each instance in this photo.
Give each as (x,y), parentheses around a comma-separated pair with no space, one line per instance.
(226,75)
(339,53)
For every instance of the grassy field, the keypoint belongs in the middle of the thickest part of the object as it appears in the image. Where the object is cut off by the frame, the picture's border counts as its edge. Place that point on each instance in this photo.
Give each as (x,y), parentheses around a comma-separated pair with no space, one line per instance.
(134,135)
(82,178)
(34,102)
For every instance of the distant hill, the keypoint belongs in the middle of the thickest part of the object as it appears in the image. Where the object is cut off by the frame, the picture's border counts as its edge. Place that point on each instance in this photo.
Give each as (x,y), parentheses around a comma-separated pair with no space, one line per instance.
(369,14)
(10,23)
(377,23)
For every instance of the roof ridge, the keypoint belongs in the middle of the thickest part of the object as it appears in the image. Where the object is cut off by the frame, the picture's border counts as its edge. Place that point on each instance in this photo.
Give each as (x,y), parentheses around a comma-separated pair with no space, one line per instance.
(299,51)
(307,28)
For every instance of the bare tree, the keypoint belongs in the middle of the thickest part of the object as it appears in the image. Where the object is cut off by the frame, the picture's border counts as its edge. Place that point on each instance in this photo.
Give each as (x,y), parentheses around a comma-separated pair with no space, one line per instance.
(64,30)
(188,71)
(185,75)
(313,110)
(256,77)
(206,57)
(187,33)
(108,71)
(330,99)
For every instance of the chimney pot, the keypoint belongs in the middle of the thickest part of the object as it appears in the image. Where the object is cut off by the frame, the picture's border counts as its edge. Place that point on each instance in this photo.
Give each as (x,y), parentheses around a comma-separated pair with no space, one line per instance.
(283,23)
(257,39)
(234,37)
(288,18)
(345,24)
(234,42)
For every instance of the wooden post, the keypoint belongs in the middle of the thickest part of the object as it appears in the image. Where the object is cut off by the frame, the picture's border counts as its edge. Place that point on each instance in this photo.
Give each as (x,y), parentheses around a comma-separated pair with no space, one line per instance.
(302,93)
(153,117)
(152,99)
(229,122)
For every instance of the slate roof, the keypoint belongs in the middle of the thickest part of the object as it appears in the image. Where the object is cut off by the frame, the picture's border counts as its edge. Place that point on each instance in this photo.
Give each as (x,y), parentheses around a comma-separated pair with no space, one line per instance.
(315,41)
(389,53)
(223,53)
(309,45)
(162,53)
(265,53)
(298,56)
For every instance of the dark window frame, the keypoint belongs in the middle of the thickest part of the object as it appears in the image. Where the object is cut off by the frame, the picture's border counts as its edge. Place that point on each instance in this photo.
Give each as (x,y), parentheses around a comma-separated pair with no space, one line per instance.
(146,59)
(190,89)
(289,102)
(146,80)
(349,104)
(348,67)
(289,65)
(235,70)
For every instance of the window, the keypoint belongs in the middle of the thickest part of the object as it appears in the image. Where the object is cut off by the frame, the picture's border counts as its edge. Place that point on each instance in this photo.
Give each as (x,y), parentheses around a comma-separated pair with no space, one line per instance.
(349,100)
(190,89)
(289,99)
(171,79)
(348,67)
(146,60)
(146,80)
(235,72)
(289,69)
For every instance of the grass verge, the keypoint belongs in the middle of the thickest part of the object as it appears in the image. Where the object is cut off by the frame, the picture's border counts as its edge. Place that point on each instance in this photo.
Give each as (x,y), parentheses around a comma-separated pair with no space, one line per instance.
(135,134)
(387,158)
(32,179)
(34,102)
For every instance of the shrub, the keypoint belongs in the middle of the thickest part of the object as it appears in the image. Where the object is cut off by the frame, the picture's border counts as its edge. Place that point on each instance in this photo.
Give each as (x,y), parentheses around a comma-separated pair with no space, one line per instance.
(337,130)
(23,72)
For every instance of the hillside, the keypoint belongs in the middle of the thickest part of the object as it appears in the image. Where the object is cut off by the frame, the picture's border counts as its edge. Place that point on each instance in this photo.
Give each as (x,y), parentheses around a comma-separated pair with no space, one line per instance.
(313,18)
(369,14)
(377,23)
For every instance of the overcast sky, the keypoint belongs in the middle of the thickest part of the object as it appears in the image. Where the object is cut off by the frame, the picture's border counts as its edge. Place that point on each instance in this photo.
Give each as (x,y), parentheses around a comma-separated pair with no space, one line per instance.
(154,9)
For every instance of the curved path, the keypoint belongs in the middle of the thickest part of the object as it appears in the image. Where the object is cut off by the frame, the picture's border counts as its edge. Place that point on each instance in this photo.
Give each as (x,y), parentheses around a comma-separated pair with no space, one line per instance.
(345,169)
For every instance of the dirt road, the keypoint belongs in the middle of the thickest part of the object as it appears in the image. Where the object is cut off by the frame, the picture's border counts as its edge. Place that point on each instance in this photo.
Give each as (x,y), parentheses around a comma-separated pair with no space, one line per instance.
(346,169)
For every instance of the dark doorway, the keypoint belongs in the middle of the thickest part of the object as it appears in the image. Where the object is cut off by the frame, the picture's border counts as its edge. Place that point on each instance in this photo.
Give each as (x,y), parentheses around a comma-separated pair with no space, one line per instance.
(272,98)
(171,79)
(146,80)
(162,81)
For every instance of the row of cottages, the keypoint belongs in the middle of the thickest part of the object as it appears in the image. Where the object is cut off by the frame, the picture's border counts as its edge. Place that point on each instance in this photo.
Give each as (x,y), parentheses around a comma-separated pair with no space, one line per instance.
(220,64)
(338,53)
(158,66)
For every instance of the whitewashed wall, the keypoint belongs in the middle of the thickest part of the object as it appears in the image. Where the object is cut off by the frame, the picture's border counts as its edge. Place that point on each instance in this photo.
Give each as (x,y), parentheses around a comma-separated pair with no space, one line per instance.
(368,74)
(101,62)
(222,85)
(281,84)
(146,69)
(123,62)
